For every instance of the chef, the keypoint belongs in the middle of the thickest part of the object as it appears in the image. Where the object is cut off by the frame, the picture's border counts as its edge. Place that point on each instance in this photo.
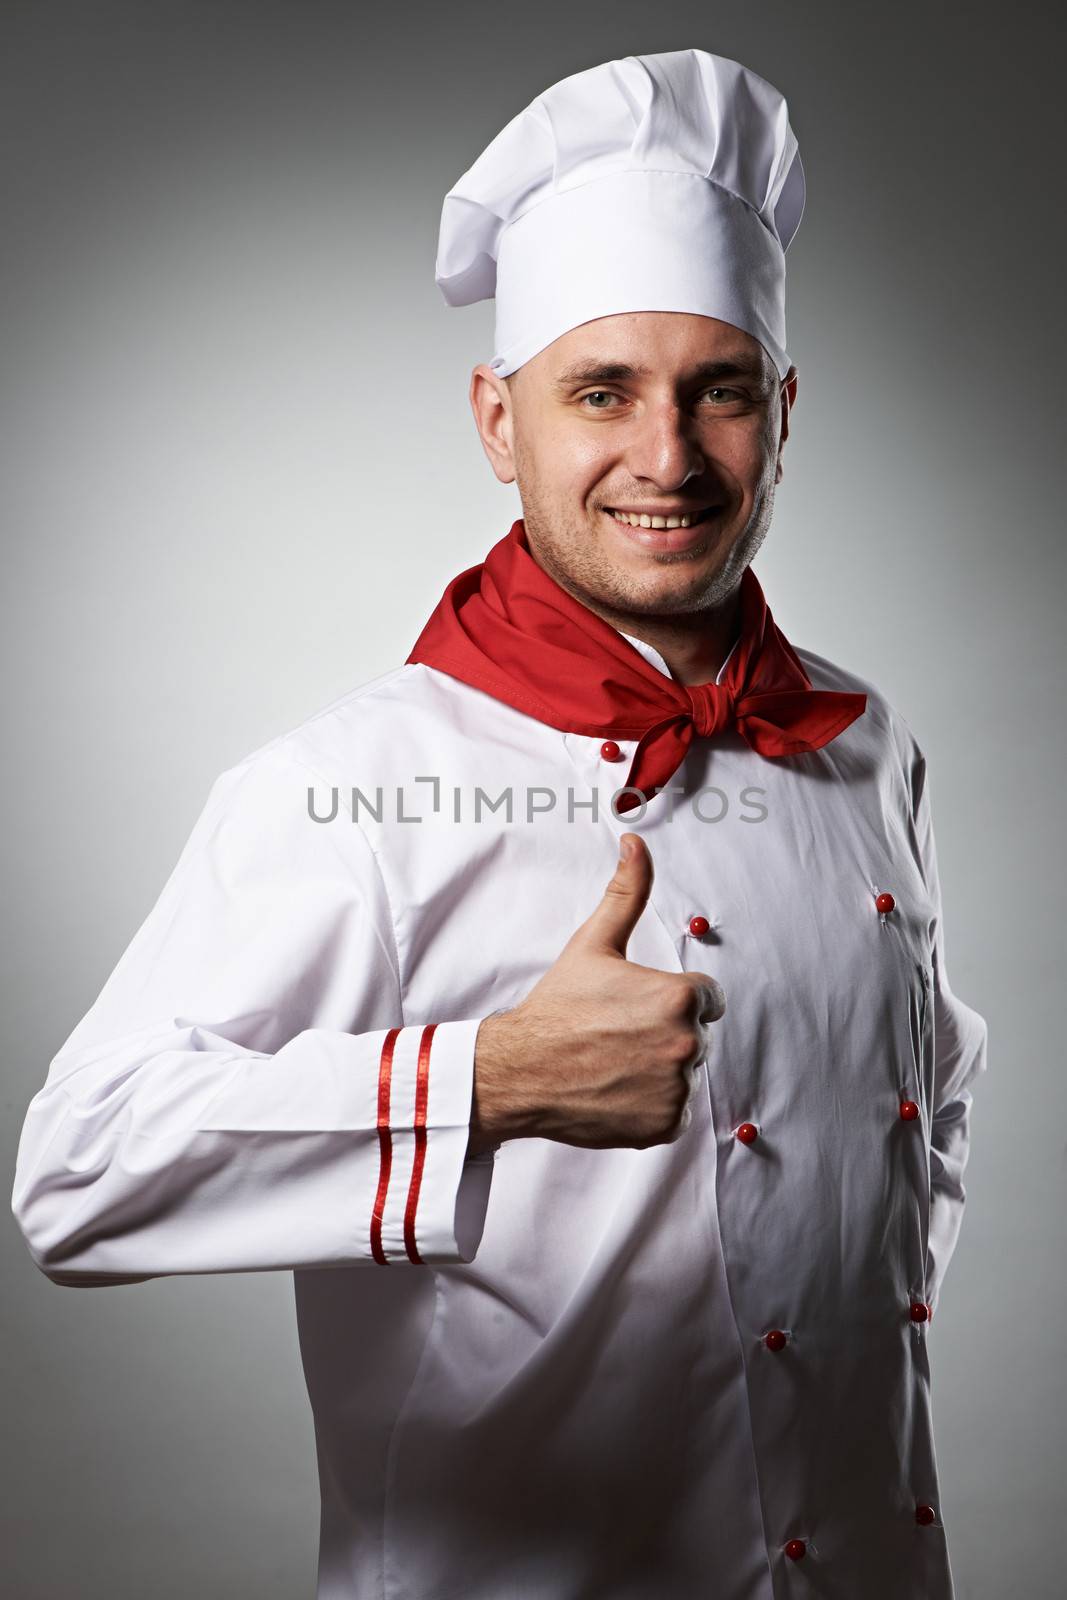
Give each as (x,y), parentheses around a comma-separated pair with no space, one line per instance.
(567,1007)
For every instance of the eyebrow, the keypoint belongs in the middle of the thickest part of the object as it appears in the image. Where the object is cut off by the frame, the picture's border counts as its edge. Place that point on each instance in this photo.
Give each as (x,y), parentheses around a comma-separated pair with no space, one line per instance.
(599,371)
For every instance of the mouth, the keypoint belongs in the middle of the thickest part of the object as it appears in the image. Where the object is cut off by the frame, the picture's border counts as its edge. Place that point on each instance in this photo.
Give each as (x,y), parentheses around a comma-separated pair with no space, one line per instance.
(684,532)
(665,522)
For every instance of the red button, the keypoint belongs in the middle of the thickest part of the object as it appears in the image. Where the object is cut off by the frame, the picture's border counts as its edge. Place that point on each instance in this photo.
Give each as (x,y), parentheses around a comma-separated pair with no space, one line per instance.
(909,1110)
(610,750)
(884,903)
(924,1515)
(775,1340)
(796,1549)
(919,1312)
(698,926)
(748,1133)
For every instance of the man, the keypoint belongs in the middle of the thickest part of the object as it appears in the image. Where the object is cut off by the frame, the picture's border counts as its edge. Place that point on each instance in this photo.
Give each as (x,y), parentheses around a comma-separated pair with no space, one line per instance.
(586,971)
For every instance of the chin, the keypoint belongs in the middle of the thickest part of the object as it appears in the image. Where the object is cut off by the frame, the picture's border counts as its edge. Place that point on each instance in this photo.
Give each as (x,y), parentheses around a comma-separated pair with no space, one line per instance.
(669,596)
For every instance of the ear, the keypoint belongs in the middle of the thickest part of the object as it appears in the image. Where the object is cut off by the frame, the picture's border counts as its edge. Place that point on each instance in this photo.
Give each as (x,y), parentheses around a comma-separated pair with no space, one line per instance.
(491,402)
(787,400)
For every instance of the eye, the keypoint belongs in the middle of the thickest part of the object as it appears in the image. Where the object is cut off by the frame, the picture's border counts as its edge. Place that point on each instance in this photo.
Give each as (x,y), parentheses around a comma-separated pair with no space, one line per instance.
(726,397)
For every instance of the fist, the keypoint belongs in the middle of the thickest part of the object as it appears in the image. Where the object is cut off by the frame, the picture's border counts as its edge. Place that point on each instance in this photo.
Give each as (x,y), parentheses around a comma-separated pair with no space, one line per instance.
(602,1052)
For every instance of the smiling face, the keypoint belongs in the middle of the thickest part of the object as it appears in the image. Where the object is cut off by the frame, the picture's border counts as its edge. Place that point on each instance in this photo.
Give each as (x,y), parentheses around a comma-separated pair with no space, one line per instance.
(656,412)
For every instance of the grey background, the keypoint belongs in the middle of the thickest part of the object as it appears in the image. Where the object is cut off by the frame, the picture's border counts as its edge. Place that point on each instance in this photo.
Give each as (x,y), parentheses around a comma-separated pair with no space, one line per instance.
(238,467)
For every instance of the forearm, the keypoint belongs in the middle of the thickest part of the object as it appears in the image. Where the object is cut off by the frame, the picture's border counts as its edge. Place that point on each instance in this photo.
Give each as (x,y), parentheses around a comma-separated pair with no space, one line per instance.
(178,1152)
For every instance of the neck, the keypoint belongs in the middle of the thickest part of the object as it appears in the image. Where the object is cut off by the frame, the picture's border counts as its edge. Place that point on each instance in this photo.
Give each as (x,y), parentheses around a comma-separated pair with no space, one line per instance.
(694,645)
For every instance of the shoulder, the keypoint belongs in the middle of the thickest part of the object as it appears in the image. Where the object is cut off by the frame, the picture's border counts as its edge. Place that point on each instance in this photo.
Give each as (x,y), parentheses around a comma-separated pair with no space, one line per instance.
(882,725)
(413,719)
(257,810)
(398,709)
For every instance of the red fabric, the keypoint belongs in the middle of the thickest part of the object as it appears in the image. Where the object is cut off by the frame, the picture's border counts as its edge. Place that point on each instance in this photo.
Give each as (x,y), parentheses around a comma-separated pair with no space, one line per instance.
(422,1101)
(385,1145)
(507,627)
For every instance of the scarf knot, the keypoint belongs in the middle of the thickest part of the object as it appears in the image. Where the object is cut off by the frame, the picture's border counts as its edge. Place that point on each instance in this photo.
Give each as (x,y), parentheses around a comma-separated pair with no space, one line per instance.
(714,708)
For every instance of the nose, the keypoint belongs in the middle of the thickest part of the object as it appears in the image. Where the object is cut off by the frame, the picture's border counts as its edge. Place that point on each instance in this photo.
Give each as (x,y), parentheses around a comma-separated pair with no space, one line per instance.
(664,448)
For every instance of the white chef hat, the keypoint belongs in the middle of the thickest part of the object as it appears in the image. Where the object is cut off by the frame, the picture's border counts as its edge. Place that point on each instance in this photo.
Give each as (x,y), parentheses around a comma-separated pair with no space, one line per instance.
(668,182)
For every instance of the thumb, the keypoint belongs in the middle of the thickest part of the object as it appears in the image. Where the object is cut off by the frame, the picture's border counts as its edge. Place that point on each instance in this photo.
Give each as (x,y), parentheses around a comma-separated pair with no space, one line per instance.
(625,897)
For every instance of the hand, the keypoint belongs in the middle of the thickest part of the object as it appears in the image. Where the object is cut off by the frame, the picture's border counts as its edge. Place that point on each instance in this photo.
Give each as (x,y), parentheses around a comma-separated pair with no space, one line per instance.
(602,1052)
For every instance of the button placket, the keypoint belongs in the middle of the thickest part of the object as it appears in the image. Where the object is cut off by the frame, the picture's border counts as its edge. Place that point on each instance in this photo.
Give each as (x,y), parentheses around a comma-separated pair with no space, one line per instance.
(778,1341)
(903,920)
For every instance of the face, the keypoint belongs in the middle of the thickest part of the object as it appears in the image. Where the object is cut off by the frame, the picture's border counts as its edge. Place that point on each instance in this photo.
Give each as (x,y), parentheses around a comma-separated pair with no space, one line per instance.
(656,412)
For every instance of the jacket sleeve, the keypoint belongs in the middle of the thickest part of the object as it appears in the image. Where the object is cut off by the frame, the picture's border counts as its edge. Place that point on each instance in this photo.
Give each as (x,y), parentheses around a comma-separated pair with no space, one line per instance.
(245,1095)
(959,1042)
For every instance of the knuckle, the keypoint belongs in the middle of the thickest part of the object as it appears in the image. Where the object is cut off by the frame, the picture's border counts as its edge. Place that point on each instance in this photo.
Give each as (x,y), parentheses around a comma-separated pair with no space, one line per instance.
(681,1001)
(681,1047)
(708,999)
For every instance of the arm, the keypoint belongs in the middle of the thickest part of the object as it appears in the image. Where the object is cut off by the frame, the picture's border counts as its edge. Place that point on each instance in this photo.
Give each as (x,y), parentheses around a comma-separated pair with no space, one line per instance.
(244,1095)
(960,1036)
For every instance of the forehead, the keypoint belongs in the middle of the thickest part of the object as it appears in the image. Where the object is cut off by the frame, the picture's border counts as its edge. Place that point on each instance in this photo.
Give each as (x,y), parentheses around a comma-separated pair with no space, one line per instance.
(649,346)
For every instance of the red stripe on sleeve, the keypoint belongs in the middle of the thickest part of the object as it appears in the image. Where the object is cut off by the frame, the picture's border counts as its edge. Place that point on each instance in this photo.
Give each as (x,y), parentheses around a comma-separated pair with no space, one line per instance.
(385,1145)
(422,1100)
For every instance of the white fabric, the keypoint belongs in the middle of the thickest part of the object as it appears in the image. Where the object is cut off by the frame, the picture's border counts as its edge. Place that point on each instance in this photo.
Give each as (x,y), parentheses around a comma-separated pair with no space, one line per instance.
(666,182)
(576,1400)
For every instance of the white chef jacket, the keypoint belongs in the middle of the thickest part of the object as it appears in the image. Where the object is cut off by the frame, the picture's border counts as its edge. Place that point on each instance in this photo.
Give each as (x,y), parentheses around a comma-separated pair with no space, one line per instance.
(559,1385)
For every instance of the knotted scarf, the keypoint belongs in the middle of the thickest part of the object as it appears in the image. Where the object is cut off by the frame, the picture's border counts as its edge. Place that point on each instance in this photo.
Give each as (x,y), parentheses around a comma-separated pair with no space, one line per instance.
(507,627)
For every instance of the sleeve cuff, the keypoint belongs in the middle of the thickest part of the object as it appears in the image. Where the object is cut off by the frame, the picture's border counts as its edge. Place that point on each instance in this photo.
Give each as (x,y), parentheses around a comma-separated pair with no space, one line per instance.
(431,1201)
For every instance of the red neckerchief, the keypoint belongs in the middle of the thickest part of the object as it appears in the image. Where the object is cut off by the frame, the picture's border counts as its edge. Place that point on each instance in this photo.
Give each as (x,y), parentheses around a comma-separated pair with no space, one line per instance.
(507,627)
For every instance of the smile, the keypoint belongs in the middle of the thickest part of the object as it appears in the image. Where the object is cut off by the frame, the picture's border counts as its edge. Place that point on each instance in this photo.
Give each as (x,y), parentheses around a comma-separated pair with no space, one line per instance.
(668,535)
(642,519)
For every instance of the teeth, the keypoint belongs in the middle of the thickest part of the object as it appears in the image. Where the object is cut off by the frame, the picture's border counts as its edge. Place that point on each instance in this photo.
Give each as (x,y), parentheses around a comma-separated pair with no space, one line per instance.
(643,520)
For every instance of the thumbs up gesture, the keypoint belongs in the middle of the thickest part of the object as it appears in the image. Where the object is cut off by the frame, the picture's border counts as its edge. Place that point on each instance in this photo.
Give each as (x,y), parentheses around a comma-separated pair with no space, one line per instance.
(602,1052)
